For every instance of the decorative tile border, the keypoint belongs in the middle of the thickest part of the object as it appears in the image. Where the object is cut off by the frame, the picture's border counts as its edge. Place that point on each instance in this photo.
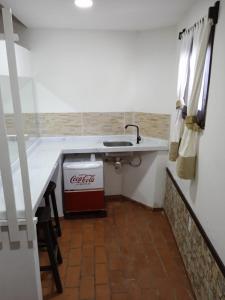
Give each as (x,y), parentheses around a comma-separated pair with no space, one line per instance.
(153,125)
(57,124)
(129,118)
(203,265)
(30,124)
(103,123)
(106,123)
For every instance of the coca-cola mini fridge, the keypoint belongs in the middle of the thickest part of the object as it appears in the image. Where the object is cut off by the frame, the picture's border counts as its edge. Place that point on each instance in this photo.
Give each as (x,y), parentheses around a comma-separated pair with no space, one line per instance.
(83,186)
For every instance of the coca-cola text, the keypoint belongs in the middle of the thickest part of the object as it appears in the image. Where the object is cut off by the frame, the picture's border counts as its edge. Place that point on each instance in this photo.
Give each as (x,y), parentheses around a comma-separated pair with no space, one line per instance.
(82,179)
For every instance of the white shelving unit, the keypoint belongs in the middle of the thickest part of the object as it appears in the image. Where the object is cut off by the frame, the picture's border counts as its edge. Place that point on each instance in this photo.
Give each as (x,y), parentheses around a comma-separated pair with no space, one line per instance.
(18,243)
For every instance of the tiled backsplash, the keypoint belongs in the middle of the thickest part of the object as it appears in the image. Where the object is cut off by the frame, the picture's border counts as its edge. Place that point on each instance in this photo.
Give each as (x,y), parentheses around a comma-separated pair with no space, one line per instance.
(103,123)
(53,124)
(94,123)
(153,125)
(30,124)
(206,277)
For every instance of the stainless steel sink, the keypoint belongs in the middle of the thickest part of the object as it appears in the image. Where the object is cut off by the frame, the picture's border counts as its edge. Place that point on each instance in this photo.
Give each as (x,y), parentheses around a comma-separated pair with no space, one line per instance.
(117,144)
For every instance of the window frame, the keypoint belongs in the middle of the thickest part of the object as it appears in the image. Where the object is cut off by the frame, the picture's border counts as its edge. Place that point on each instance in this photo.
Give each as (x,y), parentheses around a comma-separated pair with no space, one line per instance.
(213,14)
(201,114)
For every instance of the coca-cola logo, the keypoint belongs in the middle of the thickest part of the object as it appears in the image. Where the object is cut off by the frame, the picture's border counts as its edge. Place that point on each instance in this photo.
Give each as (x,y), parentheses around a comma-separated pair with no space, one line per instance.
(82,179)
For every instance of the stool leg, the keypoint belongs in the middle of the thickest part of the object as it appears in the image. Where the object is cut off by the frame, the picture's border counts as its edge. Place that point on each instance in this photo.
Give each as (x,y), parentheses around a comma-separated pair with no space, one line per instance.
(55,242)
(47,203)
(50,247)
(55,211)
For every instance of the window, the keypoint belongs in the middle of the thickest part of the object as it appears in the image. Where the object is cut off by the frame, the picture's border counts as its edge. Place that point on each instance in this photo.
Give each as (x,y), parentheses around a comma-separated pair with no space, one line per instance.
(203,99)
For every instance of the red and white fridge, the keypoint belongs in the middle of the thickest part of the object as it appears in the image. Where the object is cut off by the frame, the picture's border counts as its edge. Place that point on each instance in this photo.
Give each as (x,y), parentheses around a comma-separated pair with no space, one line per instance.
(83,186)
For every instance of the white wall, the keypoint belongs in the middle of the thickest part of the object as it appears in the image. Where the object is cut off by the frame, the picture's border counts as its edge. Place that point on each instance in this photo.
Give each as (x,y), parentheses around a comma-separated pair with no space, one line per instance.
(206,194)
(156,70)
(146,184)
(83,71)
(24,70)
(23,61)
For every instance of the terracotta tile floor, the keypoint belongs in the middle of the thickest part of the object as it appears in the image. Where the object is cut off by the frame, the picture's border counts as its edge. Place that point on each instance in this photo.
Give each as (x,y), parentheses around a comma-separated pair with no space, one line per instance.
(130,255)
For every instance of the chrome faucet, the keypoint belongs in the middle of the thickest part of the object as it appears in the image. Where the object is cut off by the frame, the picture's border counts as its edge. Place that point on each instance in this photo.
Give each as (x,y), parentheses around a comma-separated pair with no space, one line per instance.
(138,136)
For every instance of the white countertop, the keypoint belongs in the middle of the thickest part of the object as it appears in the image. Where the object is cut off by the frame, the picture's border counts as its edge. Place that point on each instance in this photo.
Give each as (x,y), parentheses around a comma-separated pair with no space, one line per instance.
(43,159)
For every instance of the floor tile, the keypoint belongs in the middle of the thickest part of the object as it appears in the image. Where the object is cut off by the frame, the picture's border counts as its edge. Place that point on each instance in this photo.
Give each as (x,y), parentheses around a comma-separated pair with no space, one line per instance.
(88,251)
(74,257)
(72,277)
(103,292)
(87,266)
(100,255)
(129,255)
(120,296)
(87,291)
(101,274)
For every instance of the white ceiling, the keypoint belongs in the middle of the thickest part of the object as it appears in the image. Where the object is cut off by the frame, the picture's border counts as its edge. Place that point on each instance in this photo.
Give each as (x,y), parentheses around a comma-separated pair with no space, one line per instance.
(105,14)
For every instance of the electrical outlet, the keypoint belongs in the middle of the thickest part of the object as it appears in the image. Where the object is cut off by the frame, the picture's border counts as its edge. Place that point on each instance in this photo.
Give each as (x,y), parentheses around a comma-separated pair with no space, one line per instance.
(189,224)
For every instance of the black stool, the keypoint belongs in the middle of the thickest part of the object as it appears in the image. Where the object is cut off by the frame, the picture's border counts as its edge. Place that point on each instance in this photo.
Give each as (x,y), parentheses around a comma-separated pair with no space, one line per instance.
(50,194)
(47,239)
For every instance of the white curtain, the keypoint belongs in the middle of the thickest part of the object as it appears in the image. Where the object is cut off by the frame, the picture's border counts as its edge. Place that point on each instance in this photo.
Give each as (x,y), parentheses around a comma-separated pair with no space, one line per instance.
(183,71)
(186,162)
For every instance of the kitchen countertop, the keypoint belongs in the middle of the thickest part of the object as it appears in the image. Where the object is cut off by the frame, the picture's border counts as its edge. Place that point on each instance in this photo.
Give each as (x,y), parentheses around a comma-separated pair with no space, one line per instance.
(43,157)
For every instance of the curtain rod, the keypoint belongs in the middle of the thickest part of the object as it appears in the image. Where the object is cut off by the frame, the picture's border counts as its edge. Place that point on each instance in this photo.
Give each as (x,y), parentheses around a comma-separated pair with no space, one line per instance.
(213,13)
